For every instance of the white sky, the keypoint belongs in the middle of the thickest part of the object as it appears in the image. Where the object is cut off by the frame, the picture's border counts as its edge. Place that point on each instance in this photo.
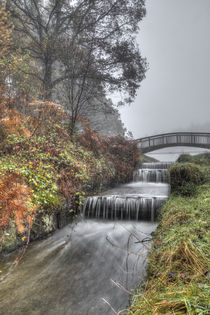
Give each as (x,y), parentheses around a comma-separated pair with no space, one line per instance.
(175,39)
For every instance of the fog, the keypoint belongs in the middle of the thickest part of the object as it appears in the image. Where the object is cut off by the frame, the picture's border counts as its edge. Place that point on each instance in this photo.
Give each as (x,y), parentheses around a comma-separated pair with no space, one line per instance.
(174,37)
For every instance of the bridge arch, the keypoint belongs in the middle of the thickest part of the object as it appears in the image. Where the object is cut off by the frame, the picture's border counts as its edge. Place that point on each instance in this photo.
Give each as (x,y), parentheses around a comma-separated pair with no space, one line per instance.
(192,139)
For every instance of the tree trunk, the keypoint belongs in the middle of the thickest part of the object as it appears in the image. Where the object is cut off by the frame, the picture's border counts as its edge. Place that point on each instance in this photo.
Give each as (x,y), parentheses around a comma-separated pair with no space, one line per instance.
(47,83)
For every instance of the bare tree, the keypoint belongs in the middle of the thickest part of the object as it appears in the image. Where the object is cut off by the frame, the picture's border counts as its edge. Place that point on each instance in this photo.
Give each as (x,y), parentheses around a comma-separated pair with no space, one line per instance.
(80,86)
(106,28)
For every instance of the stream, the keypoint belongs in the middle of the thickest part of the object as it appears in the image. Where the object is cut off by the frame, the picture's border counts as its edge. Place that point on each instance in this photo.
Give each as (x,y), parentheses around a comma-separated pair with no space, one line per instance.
(90,266)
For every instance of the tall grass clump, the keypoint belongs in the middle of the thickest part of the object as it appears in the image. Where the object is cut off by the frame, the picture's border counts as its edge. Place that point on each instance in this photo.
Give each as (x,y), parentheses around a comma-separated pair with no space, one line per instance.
(184,178)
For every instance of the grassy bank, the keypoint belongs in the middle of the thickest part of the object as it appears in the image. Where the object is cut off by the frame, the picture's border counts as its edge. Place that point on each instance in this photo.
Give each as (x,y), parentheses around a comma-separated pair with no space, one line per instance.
(178,269)
(147,159)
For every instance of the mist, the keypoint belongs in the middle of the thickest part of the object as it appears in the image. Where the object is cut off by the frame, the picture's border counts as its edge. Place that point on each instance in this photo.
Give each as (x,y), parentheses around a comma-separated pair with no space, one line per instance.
(175,96)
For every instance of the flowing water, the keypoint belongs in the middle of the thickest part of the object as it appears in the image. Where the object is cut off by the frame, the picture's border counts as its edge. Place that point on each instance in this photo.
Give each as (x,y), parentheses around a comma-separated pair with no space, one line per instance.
(87,267)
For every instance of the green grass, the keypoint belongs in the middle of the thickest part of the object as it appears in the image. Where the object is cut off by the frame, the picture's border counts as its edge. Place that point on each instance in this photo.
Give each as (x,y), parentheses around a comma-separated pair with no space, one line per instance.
(200,159)
(178,270)
(147,159)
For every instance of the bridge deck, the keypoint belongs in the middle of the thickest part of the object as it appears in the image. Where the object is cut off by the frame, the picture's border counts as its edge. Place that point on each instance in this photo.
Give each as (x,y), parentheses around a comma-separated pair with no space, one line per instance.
(194,139)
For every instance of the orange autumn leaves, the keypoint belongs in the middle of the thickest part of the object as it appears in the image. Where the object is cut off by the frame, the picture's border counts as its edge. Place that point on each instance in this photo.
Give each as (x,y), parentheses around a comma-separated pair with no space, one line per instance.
(13,123)
(15,202)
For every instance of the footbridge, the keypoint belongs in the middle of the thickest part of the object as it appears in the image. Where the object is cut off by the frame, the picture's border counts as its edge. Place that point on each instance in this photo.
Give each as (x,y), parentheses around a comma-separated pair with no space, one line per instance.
(192,139)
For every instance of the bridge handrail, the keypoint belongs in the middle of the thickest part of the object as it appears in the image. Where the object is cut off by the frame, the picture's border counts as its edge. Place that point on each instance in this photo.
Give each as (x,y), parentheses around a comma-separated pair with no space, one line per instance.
(207,134)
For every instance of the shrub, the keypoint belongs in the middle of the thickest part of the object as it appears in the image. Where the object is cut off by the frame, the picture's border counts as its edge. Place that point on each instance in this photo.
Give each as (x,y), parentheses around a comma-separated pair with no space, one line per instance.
(185,178)
(202,159)
(15,202)
(2,134)
(122,153)
(183,158)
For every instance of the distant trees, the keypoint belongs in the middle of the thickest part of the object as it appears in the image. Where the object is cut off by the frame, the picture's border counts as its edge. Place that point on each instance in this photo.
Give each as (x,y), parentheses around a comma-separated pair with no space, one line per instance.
(108,27)
(5,42)
(5,31)
(80,49)
(13,62)
(81,85)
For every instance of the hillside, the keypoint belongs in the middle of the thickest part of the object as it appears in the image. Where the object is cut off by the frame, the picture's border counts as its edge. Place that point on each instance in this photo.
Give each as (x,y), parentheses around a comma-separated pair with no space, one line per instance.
(45,173)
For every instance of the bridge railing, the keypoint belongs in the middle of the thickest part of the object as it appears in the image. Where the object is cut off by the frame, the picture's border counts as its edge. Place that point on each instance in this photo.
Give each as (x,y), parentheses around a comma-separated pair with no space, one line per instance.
(179,138)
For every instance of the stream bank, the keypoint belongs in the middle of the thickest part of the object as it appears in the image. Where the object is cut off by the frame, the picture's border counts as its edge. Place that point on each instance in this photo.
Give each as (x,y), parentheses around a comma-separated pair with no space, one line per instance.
(45,173)
(89,267)
(177,281)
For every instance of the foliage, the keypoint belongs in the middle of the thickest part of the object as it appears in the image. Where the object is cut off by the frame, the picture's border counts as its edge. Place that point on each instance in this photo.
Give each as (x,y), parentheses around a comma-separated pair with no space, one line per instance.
(200,159)
(5,31)
(5,45)
(43,166)
(125,156)
(184,158)
(55,167)
(12,122)
(15,201)
(85,38)
(122,153)
(14,65)
(177,281)
(184,178)
(39,177)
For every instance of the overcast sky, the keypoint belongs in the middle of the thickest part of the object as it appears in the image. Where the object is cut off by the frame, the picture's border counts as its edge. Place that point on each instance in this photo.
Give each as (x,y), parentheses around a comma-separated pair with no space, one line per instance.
(175,39)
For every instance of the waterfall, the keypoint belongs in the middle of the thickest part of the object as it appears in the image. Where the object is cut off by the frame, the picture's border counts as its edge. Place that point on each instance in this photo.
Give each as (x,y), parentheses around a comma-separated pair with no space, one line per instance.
(157,165)
(151,175)
(132,205)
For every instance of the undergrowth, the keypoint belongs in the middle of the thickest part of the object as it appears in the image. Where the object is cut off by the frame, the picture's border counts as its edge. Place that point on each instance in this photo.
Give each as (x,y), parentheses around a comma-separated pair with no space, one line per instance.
(178,269)
(184,178)
(42,161)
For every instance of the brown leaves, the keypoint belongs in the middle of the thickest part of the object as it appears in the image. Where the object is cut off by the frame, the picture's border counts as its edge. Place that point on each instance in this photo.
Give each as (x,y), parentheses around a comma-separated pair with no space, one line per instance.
(123,154)
(13,123)
(15,198)
(45,114)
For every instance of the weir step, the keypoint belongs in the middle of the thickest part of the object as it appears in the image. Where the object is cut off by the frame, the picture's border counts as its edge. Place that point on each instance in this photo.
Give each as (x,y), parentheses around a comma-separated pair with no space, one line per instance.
(133,207)
(157,165)
(151,175)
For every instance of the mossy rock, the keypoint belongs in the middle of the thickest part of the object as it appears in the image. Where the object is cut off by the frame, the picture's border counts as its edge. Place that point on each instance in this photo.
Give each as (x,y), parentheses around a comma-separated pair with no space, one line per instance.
(185,178)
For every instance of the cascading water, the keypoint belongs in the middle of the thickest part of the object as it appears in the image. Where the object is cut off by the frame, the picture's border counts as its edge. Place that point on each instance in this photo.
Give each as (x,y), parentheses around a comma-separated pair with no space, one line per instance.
(73,271)
(151,175)
(152,172)
(131,206)
(157,165)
